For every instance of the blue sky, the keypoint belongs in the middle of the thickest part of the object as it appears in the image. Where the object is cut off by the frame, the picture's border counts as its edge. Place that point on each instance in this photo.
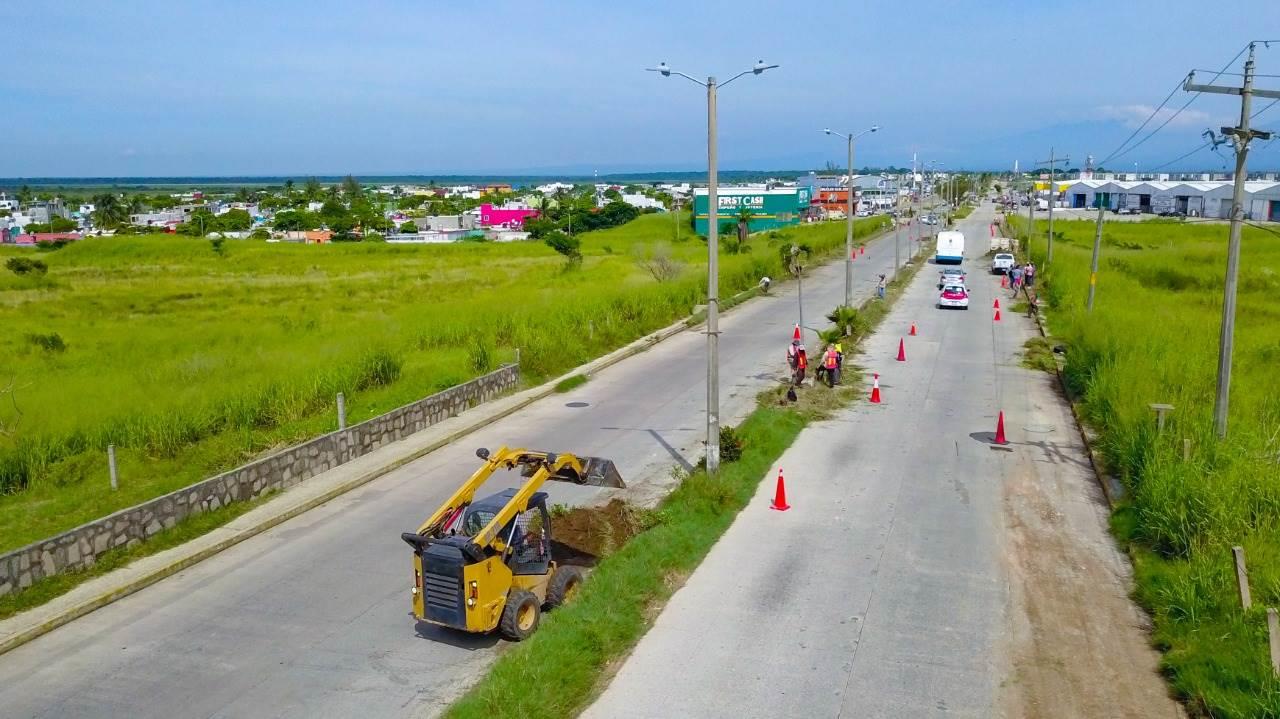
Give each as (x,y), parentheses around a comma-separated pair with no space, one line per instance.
(95,88)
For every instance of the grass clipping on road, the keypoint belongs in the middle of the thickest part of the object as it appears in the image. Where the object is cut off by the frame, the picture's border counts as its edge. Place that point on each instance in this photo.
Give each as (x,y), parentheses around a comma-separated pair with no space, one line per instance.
(558,671)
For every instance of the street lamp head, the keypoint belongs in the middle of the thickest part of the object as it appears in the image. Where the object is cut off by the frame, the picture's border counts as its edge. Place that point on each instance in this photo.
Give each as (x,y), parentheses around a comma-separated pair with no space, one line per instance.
(875,127)
(827,130)
(761,67)
(662,68)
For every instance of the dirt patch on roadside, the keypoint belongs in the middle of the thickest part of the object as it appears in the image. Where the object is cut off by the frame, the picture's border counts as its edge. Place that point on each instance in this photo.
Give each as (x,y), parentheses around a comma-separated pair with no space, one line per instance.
(1078,646)
(582,536)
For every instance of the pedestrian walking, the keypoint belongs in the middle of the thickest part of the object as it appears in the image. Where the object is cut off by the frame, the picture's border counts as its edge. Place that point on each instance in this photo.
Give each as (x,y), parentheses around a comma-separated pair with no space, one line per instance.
(1015,279)
(1030,275)
(880,287)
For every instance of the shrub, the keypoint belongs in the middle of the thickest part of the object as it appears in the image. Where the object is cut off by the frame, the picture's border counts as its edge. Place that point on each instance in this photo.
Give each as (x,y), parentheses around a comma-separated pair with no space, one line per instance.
(26,266)
(731,445)
(409,227)
(217,244)
(566,245)
(657,261)
(51,342)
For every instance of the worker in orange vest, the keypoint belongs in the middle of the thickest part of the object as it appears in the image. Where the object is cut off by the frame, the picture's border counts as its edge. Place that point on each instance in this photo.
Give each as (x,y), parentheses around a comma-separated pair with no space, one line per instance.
(831,363)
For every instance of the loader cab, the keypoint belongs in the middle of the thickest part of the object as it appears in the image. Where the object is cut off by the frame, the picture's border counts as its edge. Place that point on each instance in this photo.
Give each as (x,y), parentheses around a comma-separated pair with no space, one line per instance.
(528,536)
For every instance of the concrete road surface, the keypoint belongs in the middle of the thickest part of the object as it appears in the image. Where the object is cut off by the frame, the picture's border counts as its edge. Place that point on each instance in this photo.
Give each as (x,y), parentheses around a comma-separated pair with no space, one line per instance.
(896,585)
(312,618)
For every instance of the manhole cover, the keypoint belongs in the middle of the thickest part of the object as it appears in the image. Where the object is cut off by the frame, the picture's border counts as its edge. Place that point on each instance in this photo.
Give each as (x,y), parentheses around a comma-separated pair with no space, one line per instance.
(1039,428)
(577,404)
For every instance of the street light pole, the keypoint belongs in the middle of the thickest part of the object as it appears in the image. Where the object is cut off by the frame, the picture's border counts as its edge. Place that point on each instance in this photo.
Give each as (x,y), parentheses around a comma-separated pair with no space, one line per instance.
(713,260)
(848,220)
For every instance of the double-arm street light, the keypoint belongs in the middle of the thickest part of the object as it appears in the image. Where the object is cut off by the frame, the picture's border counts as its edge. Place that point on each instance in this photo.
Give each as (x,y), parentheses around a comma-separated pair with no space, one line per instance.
(848,222)
(713,264)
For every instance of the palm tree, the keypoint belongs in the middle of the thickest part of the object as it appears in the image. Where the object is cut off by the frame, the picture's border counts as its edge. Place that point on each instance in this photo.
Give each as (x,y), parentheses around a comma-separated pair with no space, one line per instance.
(108,211)
(744,220)
(288,189)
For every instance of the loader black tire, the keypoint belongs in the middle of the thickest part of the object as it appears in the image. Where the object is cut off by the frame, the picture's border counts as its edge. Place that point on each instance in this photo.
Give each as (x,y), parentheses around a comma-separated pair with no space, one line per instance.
(520,616)
(564,584)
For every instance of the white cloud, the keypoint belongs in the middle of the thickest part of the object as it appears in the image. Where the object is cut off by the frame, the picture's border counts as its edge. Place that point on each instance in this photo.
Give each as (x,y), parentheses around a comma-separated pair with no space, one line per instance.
(1134,115)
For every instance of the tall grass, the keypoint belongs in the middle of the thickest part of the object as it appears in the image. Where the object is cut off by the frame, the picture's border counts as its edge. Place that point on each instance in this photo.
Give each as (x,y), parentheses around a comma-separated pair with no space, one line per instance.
(1153,337)
(191,362)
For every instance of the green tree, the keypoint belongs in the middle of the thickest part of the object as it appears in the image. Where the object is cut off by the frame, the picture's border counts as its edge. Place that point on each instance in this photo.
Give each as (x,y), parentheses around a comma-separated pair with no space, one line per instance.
(567,246)
(294,220)
(108,211)
(25,195)
(235,221)
(744,224)
(351,188)
(613,195)
(288,189)
(312,190)
(62,224)
(343,229)
(409,227)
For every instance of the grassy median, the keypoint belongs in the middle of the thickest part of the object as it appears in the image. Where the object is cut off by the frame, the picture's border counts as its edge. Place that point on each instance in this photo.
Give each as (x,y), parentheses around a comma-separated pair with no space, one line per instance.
(565,664)
(1153,338)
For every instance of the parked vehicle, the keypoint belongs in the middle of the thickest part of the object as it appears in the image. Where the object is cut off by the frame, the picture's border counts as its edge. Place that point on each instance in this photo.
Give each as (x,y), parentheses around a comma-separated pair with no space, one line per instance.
(1002,263)
(954,296)
(950,249)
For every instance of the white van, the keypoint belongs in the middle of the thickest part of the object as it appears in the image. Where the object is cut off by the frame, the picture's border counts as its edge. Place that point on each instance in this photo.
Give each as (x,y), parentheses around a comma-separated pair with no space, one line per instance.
(950,248)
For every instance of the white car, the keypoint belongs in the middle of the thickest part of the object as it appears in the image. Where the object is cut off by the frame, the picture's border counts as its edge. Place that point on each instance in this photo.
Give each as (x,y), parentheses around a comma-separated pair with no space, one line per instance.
(951,276)
(954,296)
(1002,263)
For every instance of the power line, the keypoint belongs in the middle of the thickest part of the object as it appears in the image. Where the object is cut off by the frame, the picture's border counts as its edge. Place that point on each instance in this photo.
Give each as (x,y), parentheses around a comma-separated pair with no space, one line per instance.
(1122,152)
(1180,157)
(1144,124)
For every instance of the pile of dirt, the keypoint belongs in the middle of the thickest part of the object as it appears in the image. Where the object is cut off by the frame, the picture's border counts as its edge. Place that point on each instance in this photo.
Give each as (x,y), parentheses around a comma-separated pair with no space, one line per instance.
(584,535)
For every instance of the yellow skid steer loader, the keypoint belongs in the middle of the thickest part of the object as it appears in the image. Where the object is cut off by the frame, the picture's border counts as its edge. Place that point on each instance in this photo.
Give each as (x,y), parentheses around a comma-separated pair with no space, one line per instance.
(480,565)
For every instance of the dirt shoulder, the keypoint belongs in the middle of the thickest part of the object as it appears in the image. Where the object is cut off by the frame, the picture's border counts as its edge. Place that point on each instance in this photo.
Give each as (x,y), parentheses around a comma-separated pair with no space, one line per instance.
(1077,646)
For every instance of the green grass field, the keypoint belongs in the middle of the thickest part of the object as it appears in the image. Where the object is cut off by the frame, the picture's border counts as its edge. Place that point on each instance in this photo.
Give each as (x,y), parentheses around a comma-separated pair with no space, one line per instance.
(192,362)
(1153,337)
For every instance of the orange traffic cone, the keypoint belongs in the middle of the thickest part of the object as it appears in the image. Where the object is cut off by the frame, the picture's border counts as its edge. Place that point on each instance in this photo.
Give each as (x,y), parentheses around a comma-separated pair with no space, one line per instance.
(796,335)
(1000,439)
(996,304)
(913,329)
(997,319)
(780,495)
(875,390)
(862,249)
(902,351)
(1004,282)
(853,255)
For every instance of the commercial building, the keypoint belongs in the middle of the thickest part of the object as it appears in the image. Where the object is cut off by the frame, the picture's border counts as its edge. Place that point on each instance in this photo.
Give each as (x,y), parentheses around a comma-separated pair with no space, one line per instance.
(1193,199)
(770,209)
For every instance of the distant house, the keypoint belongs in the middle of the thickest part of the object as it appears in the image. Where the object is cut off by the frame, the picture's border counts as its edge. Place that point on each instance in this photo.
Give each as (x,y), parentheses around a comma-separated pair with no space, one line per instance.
(31,239)
(510,216)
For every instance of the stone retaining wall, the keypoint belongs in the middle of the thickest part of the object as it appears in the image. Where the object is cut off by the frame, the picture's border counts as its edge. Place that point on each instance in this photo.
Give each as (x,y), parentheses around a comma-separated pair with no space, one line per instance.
(80,547)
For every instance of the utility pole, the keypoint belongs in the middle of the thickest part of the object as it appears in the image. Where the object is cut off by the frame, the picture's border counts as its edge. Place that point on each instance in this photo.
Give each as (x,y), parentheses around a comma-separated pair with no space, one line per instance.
(713,288)
(848,234)
(713,260)
(1241,136)
(1053,198)
(1097,247)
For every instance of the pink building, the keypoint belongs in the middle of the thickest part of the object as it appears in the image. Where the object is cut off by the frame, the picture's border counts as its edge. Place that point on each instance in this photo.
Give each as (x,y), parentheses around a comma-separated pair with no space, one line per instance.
(510,217)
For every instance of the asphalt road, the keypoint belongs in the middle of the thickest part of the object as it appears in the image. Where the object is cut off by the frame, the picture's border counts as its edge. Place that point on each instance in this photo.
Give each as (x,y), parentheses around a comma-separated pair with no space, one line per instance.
(882,592)
(312,618)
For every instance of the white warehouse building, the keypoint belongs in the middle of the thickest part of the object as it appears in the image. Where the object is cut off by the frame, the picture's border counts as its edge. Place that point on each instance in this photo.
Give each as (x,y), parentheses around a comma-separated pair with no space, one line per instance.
(1193,199)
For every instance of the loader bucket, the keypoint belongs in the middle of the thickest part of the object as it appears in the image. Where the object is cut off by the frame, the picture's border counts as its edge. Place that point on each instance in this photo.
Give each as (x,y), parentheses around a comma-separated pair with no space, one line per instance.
(599,472)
